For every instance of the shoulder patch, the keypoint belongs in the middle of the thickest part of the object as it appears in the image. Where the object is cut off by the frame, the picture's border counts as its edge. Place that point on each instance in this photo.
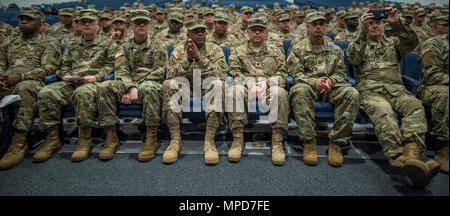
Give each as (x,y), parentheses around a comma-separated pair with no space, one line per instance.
(425,50)
(232,57)
(222,64)
(176,54)
(118,54)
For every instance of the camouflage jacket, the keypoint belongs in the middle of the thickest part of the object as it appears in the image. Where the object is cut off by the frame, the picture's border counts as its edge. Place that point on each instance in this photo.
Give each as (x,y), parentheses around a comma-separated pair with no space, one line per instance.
(139,62)
(7,32)
(307,63)
(378,64)
(83,58)
(34,58)
(268,62)
(239,31)
(345,35)
(433,56)
(212,62)
(170,39)
(62,34)
(157,28)
(423,31)
(229,40)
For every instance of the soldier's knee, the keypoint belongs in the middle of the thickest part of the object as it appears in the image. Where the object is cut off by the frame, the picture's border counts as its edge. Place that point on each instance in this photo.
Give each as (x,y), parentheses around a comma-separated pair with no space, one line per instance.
(24,87)
(352,94)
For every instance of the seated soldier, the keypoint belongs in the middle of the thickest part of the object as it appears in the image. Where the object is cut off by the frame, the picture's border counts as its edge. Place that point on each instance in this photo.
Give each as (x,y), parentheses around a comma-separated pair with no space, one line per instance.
(318,69)
(258,59)
(139,72)
(175,34)
(194,59)
(378,79)
(220,36)
(86,62)
(351,23)
(433,56)
(25,61)
(120,32)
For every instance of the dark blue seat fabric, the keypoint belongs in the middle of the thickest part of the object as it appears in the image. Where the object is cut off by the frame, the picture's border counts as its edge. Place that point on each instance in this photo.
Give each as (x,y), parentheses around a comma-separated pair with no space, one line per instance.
(226,52)
(411,71)
(330,36)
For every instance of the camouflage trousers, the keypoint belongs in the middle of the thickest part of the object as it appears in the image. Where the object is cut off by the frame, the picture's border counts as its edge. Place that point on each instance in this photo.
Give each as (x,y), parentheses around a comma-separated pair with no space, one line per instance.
(379,105)
(346,105)
(28,91)
(172,116)
(53,97)
(278,107)
(437,98)
(110,93)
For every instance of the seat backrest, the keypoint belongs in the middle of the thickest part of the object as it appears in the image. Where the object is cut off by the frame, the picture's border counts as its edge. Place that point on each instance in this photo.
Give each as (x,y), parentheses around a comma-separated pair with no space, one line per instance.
(410,65)
(330,36)
(344,45)
(226,52)
(286,45)
(169,50)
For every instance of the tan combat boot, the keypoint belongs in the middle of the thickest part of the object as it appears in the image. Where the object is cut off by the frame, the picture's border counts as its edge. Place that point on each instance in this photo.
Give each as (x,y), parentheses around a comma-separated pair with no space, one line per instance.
(209,148)
(148,151)
(111,144)
(235,152)
(410,165)
(278,156)
(441,155)
(84,146)
(51,145)
(174,148)
(335,157)
(310,152)
(15,152)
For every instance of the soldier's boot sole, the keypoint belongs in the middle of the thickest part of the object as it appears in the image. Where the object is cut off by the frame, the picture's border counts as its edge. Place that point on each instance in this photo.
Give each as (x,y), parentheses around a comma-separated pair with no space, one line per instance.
(399,165)
(434,168)
(417,172)
(44,155)
(310,158)
(442,159)
(211,157)
(171,156)
(81,155)
(278,158)
(107,154)
(144,156)
(234,155)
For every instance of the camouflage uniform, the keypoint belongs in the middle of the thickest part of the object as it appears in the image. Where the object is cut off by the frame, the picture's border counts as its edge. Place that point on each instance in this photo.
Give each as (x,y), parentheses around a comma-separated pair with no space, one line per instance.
(248,64)
(423,31)
(212,63)
(60,32)
(306,64)
(157,28)
(229,40)
(33,59)
(137,65)
(433,55)
(170,39)
(345,35)
(379,82)
(7,32)
(80,58)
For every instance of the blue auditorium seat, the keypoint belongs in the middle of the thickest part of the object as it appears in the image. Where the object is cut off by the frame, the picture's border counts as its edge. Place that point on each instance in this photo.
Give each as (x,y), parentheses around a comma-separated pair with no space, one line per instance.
(411,71)
(330,36)
(226,52)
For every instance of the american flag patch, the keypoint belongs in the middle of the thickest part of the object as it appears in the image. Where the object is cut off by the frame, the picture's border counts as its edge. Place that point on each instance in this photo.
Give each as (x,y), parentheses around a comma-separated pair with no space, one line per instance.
(176,54)
(425,50)
(232,57)
(118,54)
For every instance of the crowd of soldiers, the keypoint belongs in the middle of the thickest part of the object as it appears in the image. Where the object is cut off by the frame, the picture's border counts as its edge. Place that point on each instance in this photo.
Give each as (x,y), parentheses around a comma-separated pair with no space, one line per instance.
(132,43)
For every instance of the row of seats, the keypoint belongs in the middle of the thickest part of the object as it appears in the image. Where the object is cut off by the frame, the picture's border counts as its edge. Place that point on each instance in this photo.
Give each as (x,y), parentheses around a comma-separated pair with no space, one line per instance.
(324,111)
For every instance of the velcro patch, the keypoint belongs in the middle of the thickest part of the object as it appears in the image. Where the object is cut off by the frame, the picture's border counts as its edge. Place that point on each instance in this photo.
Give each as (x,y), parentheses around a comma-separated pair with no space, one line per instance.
(118,54)
(232,57)
(425,50)
(176,54)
